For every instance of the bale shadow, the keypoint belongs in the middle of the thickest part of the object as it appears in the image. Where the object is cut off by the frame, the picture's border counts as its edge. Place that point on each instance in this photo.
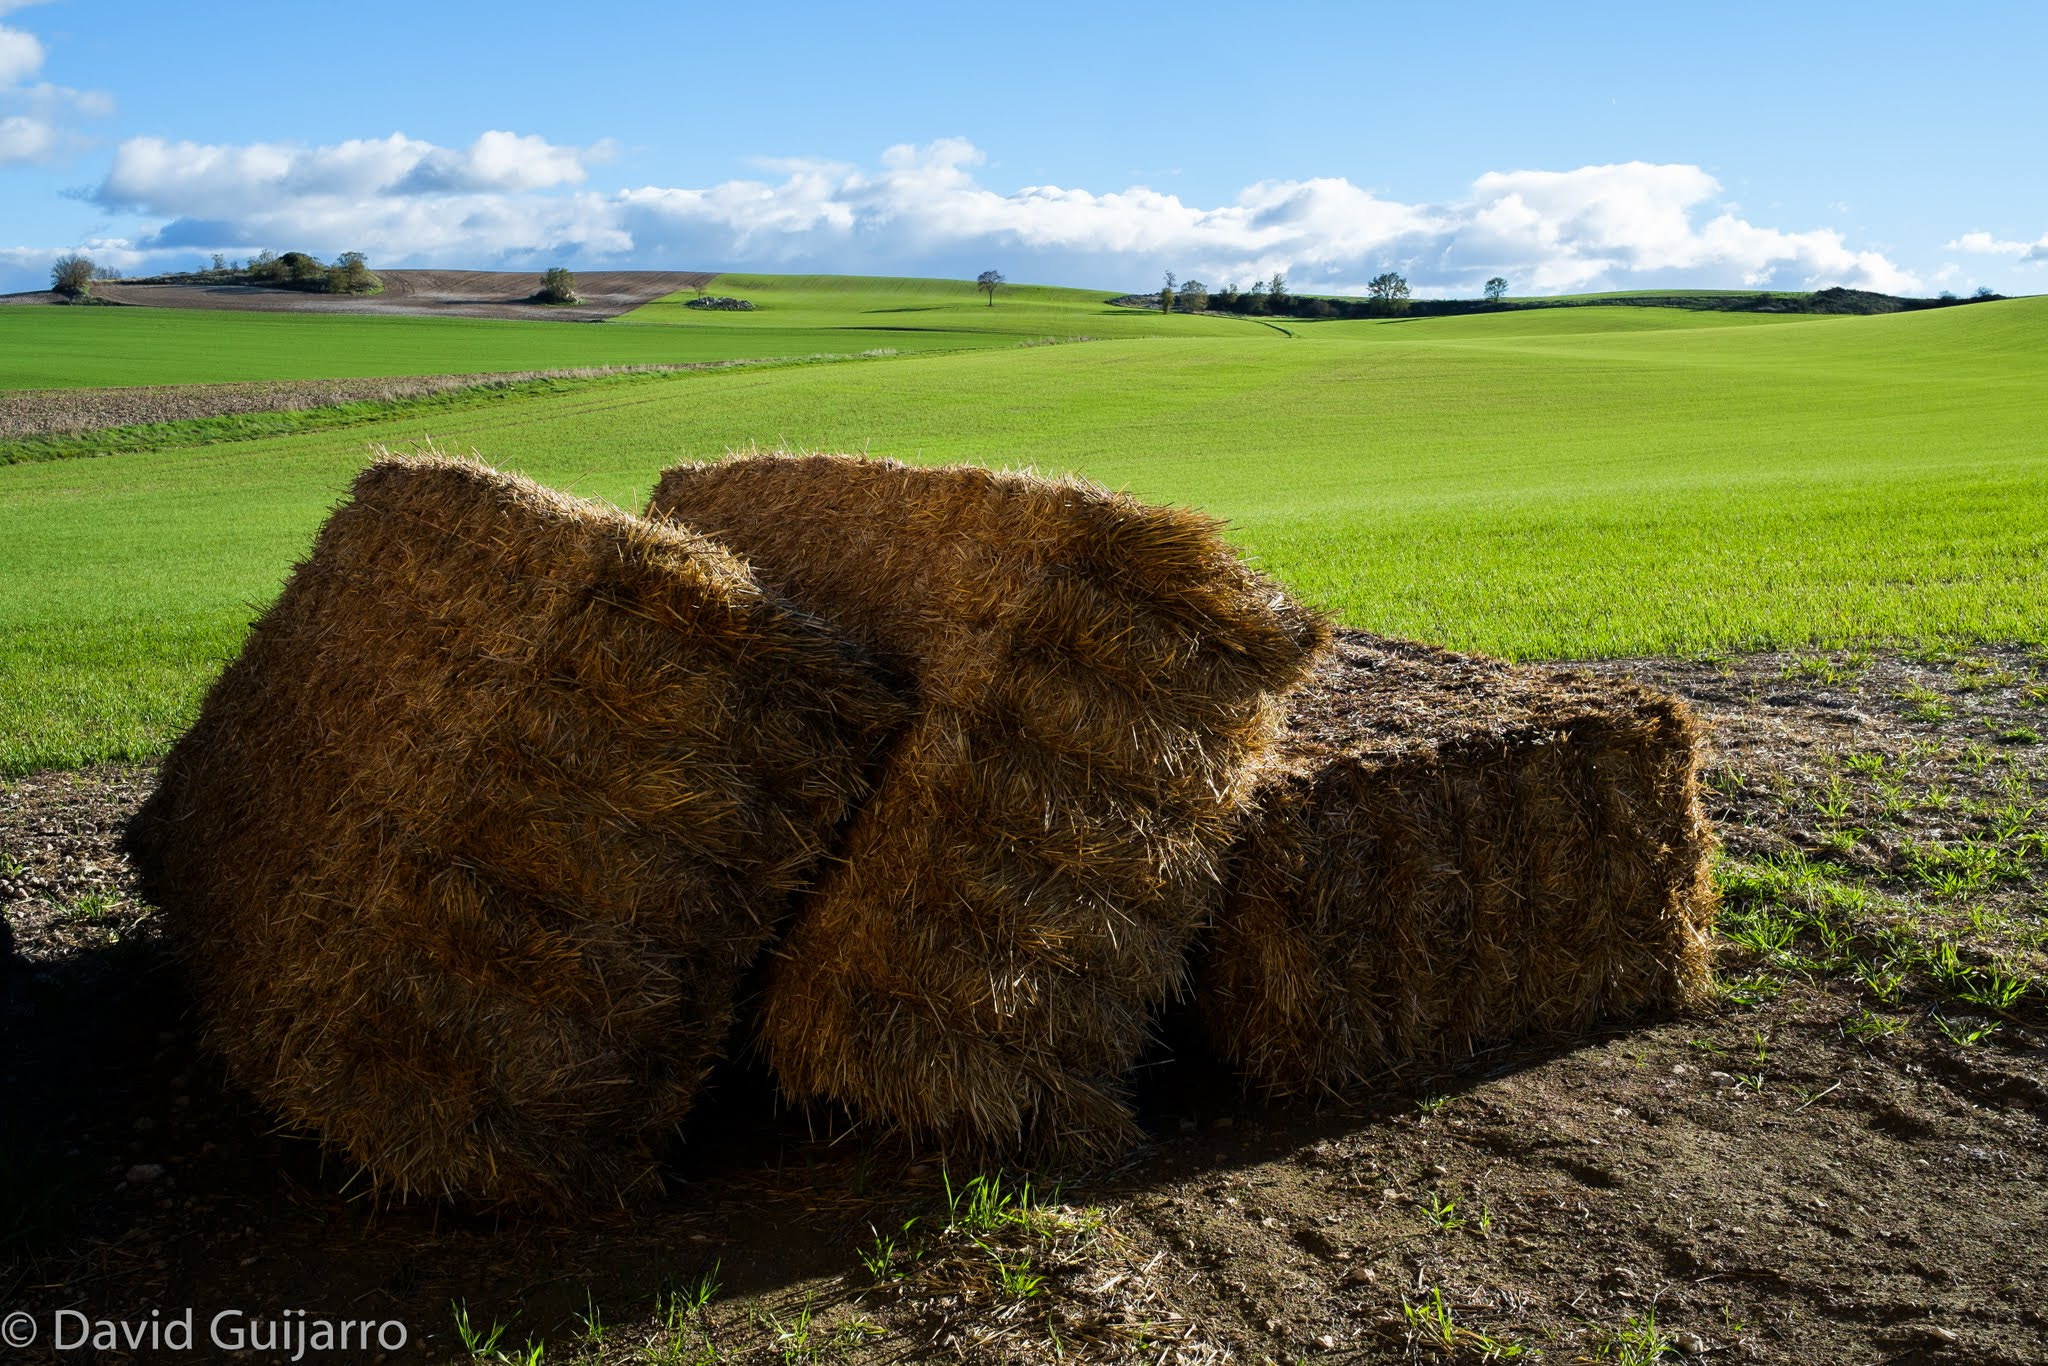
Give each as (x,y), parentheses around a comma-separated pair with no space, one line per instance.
(133,1173)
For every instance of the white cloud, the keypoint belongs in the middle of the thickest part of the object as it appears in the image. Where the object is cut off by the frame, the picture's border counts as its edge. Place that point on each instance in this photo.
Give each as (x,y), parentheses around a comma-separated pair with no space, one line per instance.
(25,139)
(1985,244)
(1601,224)
(512,198)
(21,55)
(178,179)
(36,121)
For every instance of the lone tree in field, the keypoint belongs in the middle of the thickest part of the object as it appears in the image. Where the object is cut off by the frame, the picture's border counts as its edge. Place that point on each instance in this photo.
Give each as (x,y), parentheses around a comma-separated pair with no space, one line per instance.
(987,282)
(1496,289)
(1389,293)
(72,276)
(1166,295)
(558,286)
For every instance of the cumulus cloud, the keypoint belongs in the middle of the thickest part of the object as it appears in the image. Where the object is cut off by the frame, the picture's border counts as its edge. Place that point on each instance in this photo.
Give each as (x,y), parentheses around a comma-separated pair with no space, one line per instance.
(21,55)
(37,121)
(1983,243)
(1601,224)
(24,139)
(512,198)
(154,176)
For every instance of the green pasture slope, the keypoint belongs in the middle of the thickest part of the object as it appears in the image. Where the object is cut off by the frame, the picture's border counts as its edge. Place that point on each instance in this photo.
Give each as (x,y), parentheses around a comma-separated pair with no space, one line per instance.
(1579,485)
(794,316)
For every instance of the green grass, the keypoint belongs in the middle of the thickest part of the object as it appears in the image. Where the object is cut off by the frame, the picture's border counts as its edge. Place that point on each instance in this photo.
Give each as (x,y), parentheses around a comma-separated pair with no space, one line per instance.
(795,316)
(915,314)
(1533,322)
(1555,493)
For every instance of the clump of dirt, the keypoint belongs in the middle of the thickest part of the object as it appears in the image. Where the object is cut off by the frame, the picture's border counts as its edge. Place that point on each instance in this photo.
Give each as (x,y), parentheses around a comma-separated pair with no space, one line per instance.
(1845,1159)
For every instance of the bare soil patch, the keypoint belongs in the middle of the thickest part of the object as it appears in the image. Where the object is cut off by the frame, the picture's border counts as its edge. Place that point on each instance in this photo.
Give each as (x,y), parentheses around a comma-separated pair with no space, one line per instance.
(430,293)
(1819,1169)
(68,412)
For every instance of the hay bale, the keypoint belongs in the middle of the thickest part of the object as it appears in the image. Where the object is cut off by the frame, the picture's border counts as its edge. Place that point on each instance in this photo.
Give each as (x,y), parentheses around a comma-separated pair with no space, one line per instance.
(1093,678)
(468,851)
(1448,852)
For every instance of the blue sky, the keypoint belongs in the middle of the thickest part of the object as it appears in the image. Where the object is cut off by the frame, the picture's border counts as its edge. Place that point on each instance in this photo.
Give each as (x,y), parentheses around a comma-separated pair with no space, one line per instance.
(1566,147)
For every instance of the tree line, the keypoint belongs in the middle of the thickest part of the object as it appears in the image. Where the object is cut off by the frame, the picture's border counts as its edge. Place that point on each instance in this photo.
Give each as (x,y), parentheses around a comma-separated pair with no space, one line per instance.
(74,275)
(1387,295)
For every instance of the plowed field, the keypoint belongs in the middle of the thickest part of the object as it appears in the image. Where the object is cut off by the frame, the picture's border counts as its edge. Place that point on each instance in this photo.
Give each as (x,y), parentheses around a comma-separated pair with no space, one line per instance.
(435,293)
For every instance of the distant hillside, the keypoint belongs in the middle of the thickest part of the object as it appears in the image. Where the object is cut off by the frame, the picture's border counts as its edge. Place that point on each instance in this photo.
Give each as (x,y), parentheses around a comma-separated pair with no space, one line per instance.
(1836,300)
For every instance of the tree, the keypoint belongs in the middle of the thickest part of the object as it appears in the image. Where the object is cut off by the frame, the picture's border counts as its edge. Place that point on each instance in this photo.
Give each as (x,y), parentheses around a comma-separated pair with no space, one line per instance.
(1166,295)
(263,266)
(988,282)
(72,276)
(351,275)
(220,263)
(1389,293)
(1276,292)
(297,268)
(1496,289)
(1194,296)
(1985,292)
(558,286)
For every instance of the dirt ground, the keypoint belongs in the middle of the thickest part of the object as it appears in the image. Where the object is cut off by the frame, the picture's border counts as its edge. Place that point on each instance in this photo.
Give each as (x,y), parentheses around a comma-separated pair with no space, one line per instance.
(1846,1160)
(26,413)
(435,293)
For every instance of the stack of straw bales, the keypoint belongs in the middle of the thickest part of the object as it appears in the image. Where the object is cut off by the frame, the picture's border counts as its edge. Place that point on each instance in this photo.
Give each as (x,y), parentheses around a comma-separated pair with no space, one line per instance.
(468,852)
(1094,679)
(1449,852)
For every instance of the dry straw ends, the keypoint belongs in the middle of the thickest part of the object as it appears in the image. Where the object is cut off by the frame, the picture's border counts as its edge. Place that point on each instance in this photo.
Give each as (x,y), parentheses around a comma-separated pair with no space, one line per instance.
(1450,852)
(468,851)
(1094,679)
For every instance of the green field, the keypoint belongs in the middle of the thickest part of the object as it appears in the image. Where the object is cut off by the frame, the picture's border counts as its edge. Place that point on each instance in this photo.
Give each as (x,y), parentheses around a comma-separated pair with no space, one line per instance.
(1588,481)
(794,316)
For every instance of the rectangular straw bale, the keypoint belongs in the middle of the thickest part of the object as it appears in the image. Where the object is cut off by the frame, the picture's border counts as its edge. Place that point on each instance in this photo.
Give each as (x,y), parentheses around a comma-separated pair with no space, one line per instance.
(468,851)
(1449,852)
(1094,677)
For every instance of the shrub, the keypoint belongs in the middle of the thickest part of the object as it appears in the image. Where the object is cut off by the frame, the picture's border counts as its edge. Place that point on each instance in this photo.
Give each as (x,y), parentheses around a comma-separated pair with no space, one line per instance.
(297,268)
(72,276)
(558,286)
(351,275)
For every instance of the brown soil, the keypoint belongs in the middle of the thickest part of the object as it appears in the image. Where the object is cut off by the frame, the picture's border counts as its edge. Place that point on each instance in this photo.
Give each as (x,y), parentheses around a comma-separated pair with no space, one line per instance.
(1815,1171)
(436,293)
(68,412)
